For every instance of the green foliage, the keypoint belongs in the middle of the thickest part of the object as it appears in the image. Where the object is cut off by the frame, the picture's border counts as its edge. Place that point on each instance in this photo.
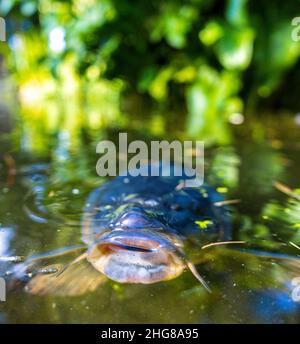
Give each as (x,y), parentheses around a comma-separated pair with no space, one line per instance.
(203,54)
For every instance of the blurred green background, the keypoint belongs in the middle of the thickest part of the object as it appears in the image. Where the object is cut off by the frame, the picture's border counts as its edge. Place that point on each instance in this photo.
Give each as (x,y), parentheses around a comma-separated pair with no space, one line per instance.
(192,67)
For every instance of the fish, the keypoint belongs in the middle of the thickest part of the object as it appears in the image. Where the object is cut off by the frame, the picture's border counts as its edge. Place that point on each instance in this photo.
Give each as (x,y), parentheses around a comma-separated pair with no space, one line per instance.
(135,227)
(134,230)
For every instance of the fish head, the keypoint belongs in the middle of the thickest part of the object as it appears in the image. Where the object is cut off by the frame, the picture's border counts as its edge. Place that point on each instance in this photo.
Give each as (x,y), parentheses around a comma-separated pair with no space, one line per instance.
(137,256)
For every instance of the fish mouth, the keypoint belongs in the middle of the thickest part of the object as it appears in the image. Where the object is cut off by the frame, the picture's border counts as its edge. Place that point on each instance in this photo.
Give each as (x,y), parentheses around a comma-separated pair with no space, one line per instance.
(137,256)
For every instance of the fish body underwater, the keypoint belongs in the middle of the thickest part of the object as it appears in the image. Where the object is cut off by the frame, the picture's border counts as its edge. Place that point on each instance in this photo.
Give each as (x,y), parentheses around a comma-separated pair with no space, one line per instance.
(135,229)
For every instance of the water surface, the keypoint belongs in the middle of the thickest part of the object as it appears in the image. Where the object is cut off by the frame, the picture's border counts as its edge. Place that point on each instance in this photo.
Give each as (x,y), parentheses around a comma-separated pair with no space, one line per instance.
(44,182)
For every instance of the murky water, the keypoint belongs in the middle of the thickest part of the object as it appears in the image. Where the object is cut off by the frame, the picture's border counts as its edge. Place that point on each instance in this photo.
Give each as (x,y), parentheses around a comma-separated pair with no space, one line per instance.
(42,193)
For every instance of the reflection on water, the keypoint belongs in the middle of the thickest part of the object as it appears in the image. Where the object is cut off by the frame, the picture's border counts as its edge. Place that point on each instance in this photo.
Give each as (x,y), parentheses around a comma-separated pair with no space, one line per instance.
(41,210)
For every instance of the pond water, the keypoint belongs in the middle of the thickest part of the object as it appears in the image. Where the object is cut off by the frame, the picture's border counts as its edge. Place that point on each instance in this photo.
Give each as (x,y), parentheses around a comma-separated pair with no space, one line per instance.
(43,187)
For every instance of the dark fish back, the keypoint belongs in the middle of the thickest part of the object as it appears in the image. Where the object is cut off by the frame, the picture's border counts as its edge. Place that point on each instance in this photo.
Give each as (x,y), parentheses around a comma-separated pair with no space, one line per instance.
(155,203)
